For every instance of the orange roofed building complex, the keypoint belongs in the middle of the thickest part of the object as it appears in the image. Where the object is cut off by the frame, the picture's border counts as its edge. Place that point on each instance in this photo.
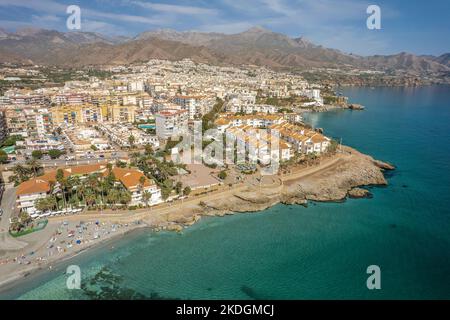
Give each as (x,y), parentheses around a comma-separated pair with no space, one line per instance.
(37,188)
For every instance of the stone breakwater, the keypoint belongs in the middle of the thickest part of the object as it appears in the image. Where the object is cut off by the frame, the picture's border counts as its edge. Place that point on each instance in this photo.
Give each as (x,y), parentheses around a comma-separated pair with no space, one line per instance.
(340,180)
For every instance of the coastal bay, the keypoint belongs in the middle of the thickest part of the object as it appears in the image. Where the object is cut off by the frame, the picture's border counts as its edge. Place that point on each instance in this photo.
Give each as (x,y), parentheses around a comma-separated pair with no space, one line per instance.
(330,180)
(321,251)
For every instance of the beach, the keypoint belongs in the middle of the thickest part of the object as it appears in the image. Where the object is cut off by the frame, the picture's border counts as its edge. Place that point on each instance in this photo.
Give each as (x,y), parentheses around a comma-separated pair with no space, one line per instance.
(331,179)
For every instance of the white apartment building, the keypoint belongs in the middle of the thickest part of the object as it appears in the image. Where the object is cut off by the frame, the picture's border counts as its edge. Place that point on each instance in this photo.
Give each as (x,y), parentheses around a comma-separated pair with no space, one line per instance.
(257,120)
(42,144)
(303,140)
(259,146)
(120,134)
(136,86)
(315,95)
(29,192)
(195,105)
(131,180)
(171,123)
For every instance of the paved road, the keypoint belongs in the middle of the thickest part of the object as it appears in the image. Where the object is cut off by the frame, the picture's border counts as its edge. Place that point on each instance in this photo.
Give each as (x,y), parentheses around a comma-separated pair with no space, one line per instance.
(8,203)
(60,163)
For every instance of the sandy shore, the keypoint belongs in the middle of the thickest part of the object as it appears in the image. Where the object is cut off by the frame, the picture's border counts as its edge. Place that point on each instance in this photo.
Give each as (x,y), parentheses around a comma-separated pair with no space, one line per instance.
(330,180)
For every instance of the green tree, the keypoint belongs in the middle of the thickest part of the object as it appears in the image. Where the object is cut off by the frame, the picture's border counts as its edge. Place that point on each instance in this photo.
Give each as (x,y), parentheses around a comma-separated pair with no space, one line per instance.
(55,153)
(34,167)
(131,140)
(148,150)
(121,164)
(3,156)
(178,187)
(222,175)
(37,154)
(46,204)
(187,191)
(90,197)
(333,146)
(146,196)
(62,185)
(20,174)
(11,140)
(142,181)
(24,218)
(209,118)
(124,196)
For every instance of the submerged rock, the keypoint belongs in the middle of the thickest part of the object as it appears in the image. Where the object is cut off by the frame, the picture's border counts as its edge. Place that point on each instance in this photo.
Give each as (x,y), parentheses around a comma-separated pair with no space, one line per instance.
(355,106)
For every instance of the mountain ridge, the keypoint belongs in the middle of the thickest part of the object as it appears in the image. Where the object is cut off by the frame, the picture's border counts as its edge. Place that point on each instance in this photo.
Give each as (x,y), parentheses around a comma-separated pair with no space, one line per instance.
(257,46)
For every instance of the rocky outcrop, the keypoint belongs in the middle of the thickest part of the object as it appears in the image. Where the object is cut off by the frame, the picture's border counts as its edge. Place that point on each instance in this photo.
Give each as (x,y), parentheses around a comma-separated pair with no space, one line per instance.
(355,106)
(357,193)
(384,165)
(335,183)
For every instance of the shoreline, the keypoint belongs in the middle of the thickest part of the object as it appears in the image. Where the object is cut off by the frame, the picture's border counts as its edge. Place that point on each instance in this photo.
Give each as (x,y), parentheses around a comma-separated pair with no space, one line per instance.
(59,264)
(330,181)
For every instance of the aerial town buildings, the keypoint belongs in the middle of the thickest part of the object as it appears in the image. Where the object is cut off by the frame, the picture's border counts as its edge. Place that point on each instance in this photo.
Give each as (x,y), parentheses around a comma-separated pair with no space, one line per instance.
(171,123)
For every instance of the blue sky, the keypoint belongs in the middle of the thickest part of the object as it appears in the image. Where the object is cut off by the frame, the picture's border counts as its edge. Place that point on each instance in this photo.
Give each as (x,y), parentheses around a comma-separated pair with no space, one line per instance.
(421,27)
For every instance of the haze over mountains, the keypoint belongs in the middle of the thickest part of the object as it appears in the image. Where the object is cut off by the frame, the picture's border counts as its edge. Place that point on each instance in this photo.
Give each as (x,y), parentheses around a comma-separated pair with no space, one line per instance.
(256,46)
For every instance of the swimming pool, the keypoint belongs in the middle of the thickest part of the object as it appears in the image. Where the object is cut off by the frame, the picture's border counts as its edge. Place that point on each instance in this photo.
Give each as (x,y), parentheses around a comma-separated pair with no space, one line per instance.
(146,126)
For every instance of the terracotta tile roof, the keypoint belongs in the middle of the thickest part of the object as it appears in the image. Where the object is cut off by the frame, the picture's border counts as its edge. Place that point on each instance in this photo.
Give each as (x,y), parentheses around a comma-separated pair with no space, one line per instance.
(130,178)
(41,183)
(318,138)
(33,186)
(87,169)
(222,121)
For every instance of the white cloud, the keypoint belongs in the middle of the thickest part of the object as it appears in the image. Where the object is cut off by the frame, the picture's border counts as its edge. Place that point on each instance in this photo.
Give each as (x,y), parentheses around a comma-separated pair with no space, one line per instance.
(175,9)
(53,7)
(44,18)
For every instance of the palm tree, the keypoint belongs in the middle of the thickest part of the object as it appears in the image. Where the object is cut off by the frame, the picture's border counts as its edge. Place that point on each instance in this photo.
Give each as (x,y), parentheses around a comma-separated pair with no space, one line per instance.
(81,192)
(34,166)
(90,197)
(51,185)
(125,197)
(46,204)
(178,187)
(21,173)
(42,204)
(135,157)
(62,184)
(146,196)
(113,196)
(142,181)
(93,183)
(131,140)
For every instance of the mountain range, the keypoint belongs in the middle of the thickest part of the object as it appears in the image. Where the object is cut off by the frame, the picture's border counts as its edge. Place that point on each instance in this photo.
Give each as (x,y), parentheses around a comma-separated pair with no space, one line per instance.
(256,46)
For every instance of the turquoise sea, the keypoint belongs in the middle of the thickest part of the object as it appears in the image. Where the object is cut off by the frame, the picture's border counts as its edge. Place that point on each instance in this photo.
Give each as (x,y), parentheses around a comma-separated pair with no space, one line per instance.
(292,252)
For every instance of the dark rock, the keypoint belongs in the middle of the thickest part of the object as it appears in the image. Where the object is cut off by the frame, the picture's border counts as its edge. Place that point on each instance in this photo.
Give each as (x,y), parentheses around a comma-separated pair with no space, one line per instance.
(355,106)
